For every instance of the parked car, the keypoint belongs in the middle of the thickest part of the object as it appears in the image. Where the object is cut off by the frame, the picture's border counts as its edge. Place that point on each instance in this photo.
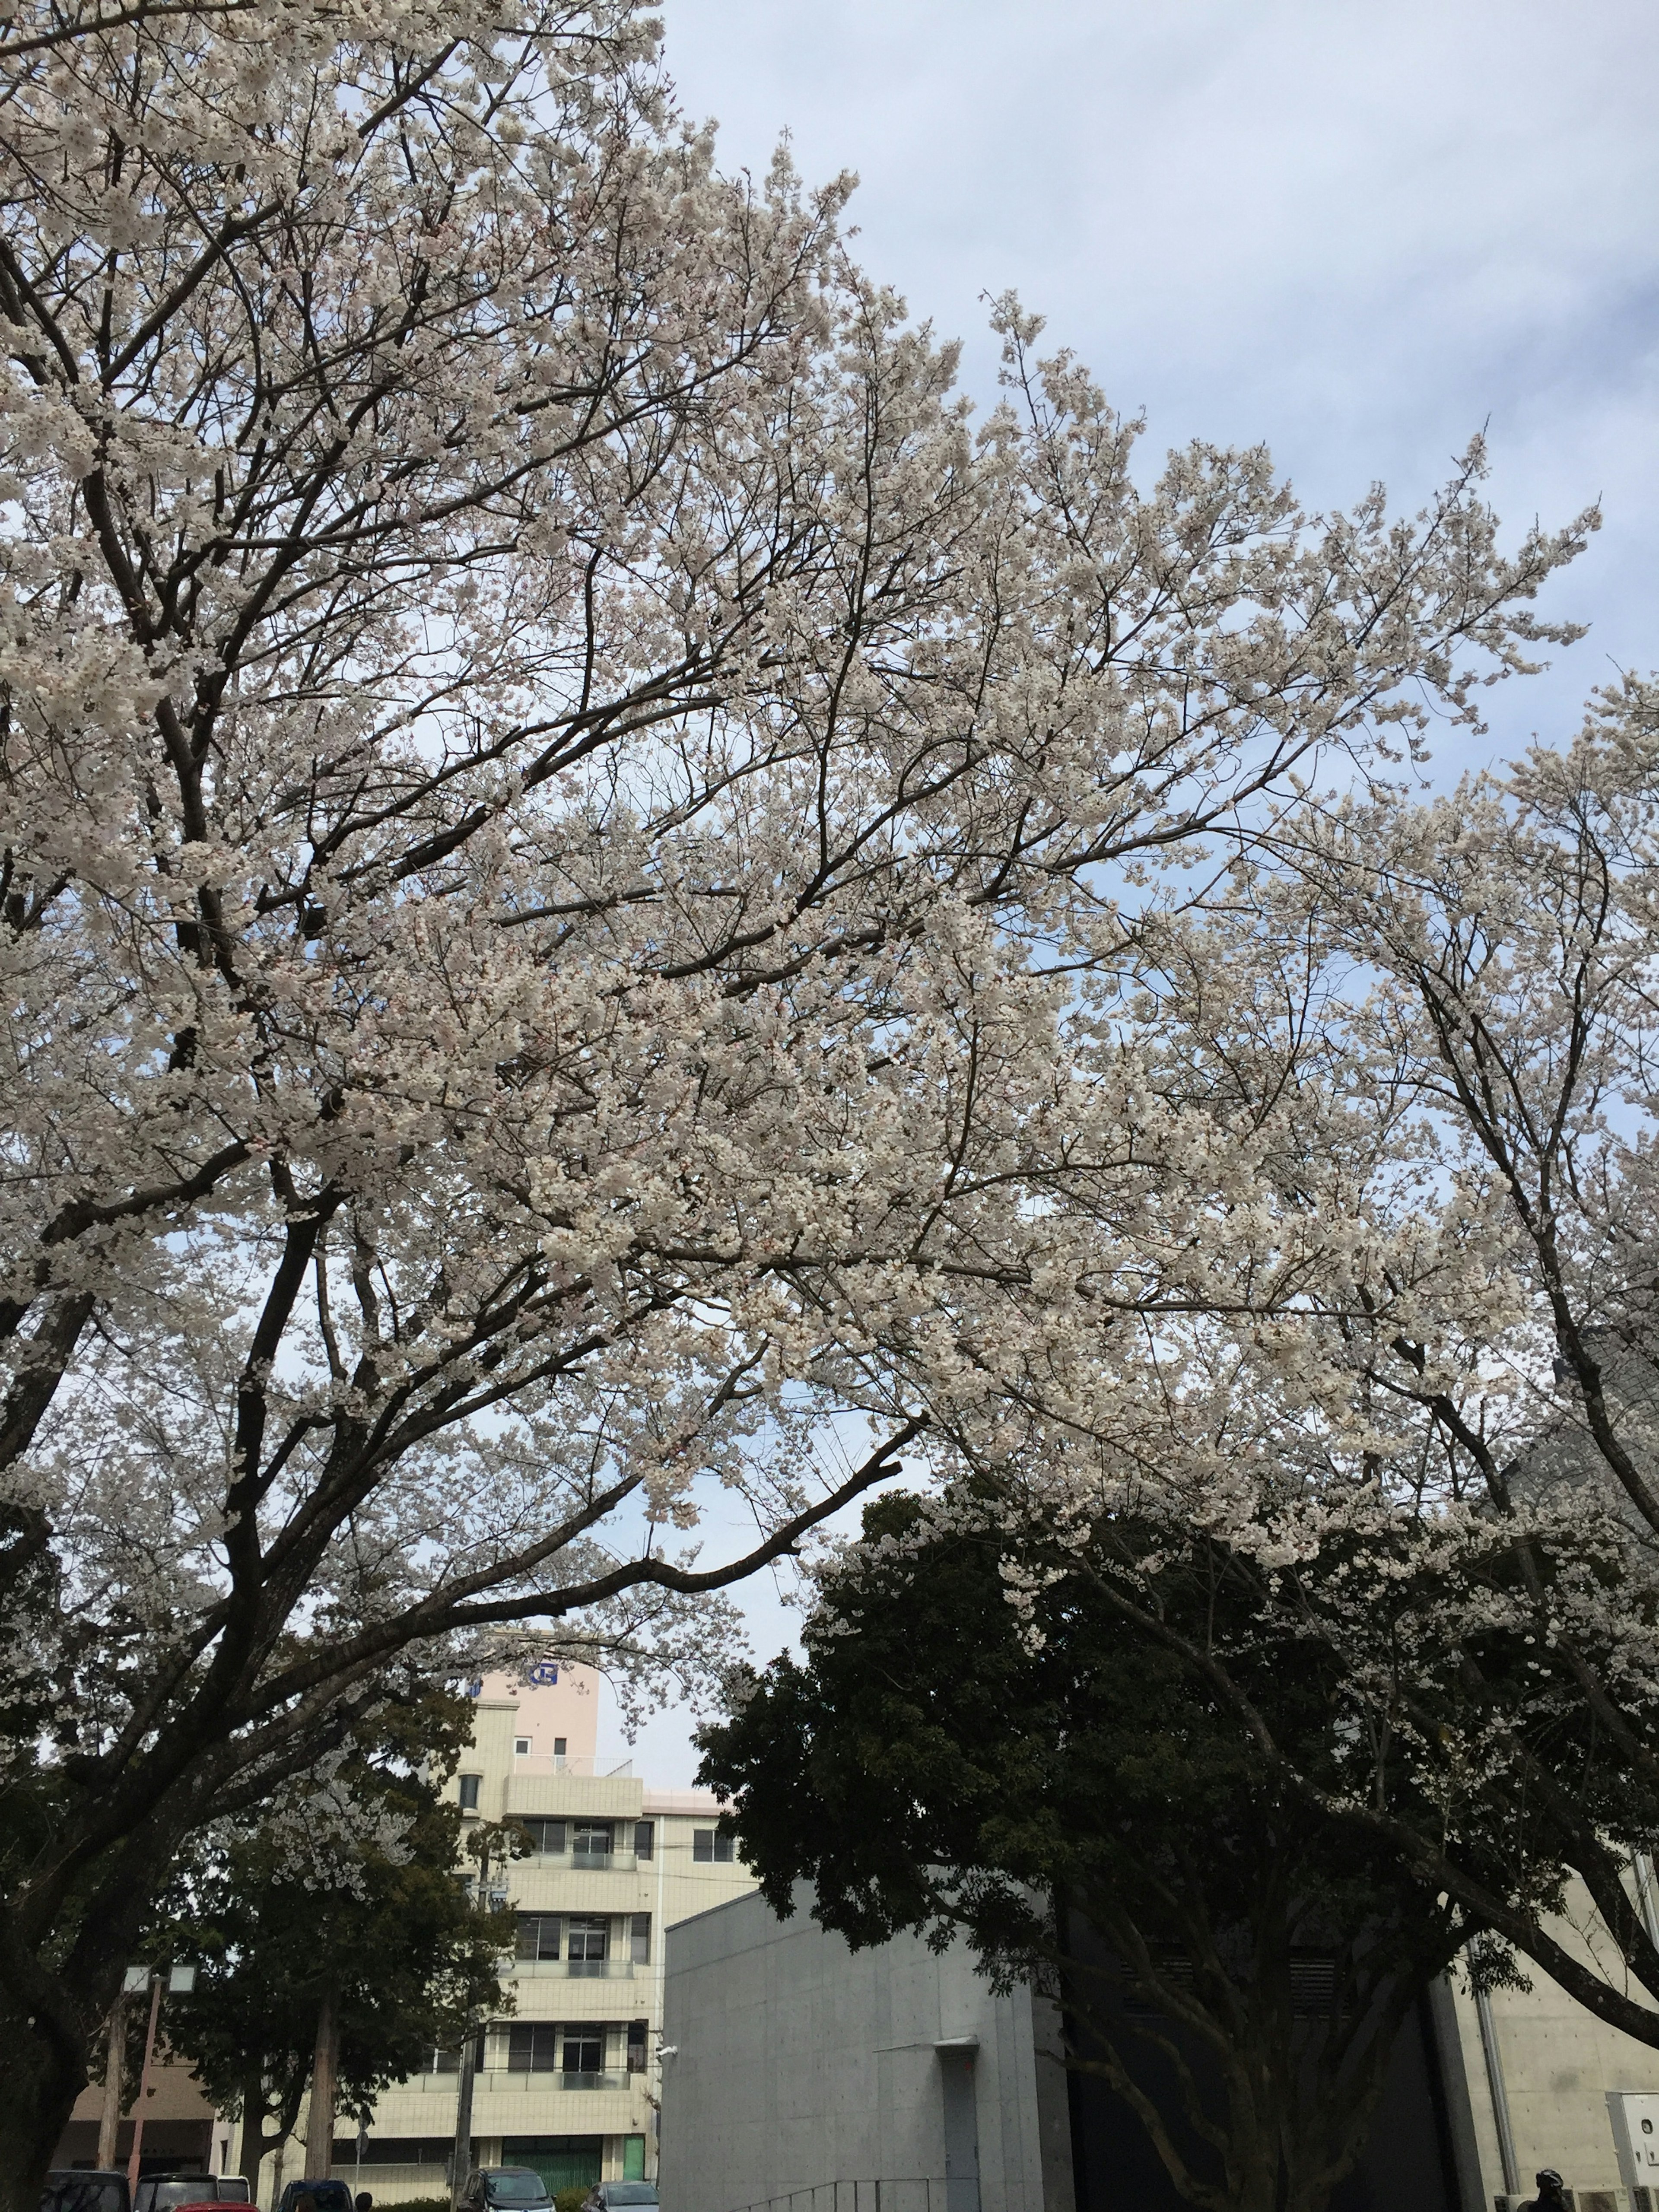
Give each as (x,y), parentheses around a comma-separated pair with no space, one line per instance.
(84,2189)
(514,2188)
(608,2195)
(325,2195)
(171,2192)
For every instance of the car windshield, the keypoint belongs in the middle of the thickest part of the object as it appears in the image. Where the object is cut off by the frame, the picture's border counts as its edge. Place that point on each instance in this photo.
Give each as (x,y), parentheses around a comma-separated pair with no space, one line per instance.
(517,2189)
(629,2192)
(184,2191)
(84,2192)
(327,2195)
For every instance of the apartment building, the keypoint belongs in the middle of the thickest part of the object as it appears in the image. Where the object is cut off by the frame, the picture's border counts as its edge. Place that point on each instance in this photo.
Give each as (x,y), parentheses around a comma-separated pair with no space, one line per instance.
(569,2082)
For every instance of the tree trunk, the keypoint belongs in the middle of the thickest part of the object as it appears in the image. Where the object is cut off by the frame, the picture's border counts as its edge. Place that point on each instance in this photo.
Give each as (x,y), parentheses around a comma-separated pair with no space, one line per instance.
(253,2131)
(44,2075)
(319,2119)
(109,2124)
(461,2157)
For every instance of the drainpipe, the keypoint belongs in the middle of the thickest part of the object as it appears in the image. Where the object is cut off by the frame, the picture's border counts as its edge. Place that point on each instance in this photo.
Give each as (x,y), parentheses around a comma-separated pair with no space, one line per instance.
(1500,2103)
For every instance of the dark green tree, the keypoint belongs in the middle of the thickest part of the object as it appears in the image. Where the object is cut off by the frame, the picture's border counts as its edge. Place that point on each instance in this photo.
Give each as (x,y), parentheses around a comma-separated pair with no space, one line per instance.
(356,1898)
(1071,1794)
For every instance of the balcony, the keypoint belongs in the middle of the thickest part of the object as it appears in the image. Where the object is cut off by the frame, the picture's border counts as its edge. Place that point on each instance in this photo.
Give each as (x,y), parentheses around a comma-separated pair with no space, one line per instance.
(496,2078)
(575,1970)
(585,1862)
(544,1762)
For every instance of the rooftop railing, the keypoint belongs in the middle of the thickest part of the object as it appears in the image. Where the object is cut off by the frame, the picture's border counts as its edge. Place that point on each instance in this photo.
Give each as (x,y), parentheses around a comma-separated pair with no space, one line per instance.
(547,1762)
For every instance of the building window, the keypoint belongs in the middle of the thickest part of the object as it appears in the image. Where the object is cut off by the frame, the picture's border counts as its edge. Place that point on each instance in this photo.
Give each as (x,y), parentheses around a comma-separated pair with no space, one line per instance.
(639,1937)
(638,2041)
(645,1838)
(588,1941)
(558,1746)
(533,2046)
(590,1842)
(710,1848)
(584,2050)
(538,1934)
(521,1747)
(545,1836)
(470,1786)
(442,2062)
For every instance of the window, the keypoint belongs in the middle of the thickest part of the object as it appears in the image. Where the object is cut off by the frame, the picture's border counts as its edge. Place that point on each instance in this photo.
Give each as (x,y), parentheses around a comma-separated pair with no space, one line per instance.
(645,1837)
(558,1746)
(639,1938)
(584,2050)
(533,2046)
(544,1835)
(710,1848)
(396,2150)
(588,1940)
(590,1841)
(521,1747)
(538,1934)
(469,1785)
(638,2041)
(442,2062)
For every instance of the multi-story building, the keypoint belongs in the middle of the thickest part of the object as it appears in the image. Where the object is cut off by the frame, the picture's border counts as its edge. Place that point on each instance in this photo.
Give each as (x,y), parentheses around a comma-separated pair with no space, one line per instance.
(569,2082)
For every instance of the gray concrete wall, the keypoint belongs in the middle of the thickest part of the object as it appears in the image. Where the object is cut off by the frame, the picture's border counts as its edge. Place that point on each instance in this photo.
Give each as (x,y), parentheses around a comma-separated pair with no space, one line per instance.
(799,2063)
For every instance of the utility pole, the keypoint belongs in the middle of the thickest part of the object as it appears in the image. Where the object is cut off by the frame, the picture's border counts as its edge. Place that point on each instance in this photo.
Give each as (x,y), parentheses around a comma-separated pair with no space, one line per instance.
(143,2086)
(461,2162)
(109,2124)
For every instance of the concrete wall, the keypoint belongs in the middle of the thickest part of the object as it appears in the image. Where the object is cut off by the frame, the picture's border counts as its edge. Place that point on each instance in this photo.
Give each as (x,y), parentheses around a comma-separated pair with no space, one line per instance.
(799,2063)
(1558,2063)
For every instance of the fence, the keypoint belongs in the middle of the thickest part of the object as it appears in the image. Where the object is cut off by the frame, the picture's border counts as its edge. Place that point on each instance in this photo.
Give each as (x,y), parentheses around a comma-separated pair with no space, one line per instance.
(926,2194)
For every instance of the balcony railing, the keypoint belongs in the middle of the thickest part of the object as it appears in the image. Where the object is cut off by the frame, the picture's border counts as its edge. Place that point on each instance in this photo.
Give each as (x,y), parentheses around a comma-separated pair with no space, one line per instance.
(512,2078)
(577,1970)
(585,1862)
(545,1762)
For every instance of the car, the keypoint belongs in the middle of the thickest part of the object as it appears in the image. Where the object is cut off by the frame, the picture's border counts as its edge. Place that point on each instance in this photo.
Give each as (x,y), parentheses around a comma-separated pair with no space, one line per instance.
(84,2189)
(325,2195)
(171,2192)
(611,2196)
(514,2188)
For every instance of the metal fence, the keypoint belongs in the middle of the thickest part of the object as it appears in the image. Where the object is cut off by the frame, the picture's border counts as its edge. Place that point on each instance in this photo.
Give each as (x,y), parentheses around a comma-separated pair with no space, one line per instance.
(923,2194)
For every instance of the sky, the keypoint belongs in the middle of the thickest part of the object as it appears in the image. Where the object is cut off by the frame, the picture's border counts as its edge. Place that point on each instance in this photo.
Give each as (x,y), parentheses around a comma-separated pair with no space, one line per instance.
(1357,233)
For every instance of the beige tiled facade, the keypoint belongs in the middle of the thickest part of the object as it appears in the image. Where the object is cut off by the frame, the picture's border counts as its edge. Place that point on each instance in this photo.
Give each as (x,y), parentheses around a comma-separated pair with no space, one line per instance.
(532,1759)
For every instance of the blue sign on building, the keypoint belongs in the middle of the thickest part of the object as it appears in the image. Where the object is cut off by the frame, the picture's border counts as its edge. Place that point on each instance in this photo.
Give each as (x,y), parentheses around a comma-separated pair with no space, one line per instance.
(543,1674)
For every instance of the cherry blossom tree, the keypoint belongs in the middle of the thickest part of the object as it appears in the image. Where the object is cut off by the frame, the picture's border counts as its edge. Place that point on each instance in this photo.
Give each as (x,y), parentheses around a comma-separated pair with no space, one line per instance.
(1392,1368)
(573,820)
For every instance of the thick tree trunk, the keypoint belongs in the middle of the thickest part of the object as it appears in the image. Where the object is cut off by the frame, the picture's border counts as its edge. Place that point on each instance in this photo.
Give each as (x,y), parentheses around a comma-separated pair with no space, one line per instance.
(319,2119)
(42,2078)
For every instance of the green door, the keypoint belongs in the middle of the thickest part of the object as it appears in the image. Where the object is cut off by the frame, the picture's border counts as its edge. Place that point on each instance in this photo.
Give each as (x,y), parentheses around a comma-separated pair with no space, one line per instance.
(562,2162)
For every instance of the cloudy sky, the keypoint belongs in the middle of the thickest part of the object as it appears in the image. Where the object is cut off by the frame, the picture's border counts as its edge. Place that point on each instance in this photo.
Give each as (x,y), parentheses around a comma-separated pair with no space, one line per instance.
(1356,232)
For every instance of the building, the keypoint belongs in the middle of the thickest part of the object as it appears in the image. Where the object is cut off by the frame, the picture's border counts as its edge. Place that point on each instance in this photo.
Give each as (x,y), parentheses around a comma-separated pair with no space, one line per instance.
(182,2133)
(796,2068)
(798,2075)
(569,2082)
